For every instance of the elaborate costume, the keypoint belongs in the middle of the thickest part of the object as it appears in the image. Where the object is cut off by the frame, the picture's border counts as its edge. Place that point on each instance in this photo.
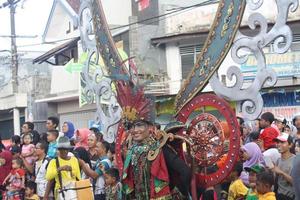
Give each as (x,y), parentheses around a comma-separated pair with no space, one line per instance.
(149,163)
(144,178)
(149,167)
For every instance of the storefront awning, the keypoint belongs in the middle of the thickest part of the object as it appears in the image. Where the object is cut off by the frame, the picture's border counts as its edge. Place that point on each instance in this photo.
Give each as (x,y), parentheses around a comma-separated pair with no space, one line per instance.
(56,51)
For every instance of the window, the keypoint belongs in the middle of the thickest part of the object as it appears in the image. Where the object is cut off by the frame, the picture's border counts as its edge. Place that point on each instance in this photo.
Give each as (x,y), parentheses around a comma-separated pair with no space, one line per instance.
(188,58)
(296,42)
(295,46)
(69,28)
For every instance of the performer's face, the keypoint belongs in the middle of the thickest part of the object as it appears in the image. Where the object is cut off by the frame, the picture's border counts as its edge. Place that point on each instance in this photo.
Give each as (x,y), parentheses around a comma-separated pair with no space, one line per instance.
(140,131)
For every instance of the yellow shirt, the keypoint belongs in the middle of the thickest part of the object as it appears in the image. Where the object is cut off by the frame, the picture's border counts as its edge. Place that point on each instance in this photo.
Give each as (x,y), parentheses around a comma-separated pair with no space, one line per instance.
(267,196)
(66,176)
(33,197)
(237,189)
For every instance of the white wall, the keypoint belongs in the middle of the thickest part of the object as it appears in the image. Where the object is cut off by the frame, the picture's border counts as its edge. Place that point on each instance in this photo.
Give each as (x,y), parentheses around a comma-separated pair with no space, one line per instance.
(62,81)
(117,11)
(60,25)
(174,70)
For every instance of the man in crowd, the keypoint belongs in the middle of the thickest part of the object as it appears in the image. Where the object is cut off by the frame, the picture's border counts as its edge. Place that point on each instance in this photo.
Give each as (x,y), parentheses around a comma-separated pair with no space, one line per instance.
(97,173)
(283,168)
(28,128)
(39,168)
(53,124)
(64,168)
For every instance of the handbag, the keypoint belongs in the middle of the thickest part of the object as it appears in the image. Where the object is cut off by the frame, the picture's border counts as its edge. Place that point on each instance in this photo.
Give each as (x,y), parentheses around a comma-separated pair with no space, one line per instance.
(74,189)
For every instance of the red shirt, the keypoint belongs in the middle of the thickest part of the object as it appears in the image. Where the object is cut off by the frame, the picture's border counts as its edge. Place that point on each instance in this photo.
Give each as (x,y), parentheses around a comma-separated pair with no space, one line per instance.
(267,136)
(5,169)
(20,172)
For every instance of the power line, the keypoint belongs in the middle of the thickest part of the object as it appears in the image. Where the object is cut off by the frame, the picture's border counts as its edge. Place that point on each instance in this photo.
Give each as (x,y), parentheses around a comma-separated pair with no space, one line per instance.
(165,17)
(159,18)
(43,43)
(207,2)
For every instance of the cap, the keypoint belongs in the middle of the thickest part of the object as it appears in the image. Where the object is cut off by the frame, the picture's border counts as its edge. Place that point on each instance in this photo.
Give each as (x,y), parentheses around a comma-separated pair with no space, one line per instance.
(174,126)
(280,118)
(255,168)
(284,137)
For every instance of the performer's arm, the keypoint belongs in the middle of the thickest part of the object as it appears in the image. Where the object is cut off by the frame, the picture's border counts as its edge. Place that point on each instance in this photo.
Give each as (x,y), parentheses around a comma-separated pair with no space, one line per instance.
(178,165)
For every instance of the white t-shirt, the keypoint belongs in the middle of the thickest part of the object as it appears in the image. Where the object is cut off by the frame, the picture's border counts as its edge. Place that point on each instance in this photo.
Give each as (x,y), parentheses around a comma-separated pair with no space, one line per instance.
(40,173)
(271,157)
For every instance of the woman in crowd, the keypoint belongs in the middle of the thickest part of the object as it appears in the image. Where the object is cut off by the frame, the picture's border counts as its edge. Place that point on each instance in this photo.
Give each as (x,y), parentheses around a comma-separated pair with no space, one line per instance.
(5,166)
(68,129)
(250,155)
(248,128)
(81,137)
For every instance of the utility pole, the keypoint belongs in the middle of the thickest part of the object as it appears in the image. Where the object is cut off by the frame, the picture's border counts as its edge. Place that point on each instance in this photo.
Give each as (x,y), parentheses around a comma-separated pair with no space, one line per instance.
(14,60)
(12,4)
(14,54)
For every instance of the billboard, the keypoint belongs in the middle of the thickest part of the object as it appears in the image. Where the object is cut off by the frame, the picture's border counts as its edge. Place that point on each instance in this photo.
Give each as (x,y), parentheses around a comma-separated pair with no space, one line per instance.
(285,65)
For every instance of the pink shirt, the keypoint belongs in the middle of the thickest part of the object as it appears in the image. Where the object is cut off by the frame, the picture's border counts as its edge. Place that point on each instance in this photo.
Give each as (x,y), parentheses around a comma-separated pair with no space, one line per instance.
(28,148)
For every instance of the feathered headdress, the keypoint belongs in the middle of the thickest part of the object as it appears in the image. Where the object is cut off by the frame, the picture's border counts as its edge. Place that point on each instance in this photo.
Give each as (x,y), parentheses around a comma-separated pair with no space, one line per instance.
(135,104)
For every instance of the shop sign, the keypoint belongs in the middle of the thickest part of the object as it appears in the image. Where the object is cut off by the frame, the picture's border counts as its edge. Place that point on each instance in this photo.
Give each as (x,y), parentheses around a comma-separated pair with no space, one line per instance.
(285,65)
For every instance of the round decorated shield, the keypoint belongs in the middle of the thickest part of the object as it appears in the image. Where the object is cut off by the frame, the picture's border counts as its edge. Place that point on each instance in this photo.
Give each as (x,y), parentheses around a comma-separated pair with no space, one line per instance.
(206,141)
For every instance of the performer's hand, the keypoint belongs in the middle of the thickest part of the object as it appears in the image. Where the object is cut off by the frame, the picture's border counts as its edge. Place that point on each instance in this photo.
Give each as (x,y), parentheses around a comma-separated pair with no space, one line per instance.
(171,137)
(102,168)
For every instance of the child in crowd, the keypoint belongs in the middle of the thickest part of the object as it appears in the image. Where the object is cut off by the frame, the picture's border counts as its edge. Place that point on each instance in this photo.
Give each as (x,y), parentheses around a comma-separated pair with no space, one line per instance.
(112,154)
(237,189)
(113,186)
(269,133)
(210,193)
(30,191)
(52,136)
(16,151)
(16,141)
(253,171)
(15,180)
(264,183)
(28,149)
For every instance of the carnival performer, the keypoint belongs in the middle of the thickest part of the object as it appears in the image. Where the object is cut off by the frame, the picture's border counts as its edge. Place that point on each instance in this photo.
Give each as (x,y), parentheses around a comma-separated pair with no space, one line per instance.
(149,165)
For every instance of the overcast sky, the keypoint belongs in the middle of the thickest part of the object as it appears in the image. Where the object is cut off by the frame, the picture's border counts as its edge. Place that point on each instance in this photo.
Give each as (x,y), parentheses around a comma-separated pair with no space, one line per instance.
(31,20)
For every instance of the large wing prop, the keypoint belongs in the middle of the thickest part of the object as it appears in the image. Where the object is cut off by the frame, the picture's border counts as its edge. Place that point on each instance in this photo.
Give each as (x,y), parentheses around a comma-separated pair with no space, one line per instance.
(216,47)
